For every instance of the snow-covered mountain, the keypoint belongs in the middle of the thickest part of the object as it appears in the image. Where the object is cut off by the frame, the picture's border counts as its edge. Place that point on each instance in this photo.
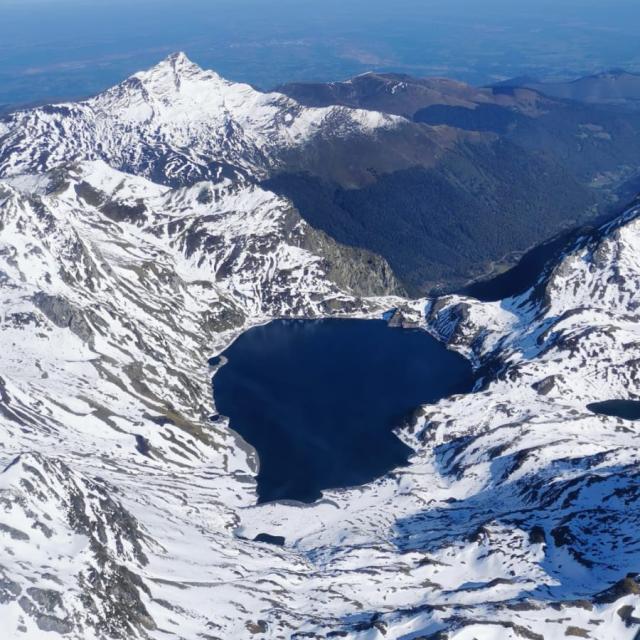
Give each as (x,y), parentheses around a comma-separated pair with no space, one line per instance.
(176,124)
(126,512)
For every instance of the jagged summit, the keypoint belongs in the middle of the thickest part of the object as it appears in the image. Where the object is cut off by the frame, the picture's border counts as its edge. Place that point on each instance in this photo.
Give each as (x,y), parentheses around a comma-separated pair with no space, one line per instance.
(179,59)
(175,123)
(176,89)
(178,62)
(176,69)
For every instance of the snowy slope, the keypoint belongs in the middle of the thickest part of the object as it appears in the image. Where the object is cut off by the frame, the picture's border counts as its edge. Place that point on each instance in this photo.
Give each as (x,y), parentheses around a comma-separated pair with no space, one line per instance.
(126,512)
(177,124)
(115,291)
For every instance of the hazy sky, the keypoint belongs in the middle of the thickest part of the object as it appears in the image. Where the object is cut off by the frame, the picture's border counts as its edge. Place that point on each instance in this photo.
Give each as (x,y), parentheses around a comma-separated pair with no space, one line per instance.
(66,48)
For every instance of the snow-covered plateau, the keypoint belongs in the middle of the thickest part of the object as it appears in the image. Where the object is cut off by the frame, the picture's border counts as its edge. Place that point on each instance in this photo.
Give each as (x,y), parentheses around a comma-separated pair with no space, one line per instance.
(135,243)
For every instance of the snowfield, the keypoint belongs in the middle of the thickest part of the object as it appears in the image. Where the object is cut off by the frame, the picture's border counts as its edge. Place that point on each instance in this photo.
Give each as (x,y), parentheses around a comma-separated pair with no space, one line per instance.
(134,245)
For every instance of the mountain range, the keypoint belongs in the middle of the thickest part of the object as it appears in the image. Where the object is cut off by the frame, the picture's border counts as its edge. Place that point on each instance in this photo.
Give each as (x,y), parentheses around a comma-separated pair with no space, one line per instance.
(611,87)
(377,181)
(143,230)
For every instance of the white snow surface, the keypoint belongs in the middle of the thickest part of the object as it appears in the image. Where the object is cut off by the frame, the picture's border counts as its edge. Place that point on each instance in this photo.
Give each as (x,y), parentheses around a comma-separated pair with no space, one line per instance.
(517,517)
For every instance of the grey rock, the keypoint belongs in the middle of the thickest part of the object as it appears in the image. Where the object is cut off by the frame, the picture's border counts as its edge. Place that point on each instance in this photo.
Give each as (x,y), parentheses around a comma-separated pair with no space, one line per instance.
(63,314)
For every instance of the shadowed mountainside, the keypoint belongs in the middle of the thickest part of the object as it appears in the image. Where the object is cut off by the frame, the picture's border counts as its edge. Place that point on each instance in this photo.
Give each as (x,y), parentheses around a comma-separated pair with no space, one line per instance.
(520,165)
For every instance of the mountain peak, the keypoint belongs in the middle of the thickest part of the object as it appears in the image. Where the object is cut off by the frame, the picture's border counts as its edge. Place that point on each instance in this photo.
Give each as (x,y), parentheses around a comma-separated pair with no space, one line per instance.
(173,80)
(176,64)
(178,56)
(179,61)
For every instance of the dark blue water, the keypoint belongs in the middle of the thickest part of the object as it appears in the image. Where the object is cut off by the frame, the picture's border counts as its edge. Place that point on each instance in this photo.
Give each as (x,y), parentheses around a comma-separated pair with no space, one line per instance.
(626,409)
(319,399)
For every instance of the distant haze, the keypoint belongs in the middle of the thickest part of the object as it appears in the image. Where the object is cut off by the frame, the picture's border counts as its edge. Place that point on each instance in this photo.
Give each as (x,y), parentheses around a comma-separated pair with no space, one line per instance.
(57,49)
